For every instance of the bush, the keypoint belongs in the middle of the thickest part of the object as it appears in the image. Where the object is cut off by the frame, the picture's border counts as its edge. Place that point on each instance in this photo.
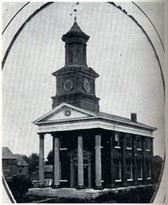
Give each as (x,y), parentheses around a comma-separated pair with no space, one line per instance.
(19,186)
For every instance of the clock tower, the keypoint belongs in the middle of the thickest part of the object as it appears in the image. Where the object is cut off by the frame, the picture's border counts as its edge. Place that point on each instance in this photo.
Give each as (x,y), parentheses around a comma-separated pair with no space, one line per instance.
(75,82)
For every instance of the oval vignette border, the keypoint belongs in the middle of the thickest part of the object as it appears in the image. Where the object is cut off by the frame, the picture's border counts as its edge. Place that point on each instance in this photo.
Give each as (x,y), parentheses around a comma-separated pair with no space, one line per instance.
(45,5)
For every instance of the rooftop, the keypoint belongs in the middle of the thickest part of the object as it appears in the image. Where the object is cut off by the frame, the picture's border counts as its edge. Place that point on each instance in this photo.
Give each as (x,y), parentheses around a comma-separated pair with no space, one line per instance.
(75,31)
(20,160)
(79,114)
(7,154)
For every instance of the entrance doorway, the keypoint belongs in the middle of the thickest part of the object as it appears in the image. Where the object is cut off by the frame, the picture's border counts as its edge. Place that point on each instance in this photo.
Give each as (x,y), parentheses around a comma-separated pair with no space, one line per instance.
(74,169)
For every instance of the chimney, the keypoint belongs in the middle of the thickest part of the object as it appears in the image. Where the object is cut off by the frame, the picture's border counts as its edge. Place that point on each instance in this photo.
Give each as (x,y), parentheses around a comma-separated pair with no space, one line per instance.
(133,117)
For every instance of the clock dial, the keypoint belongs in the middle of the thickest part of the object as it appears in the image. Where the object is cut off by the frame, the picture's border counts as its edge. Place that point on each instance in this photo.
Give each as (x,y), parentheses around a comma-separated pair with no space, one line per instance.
(67,113)
(68,85)
(87,85)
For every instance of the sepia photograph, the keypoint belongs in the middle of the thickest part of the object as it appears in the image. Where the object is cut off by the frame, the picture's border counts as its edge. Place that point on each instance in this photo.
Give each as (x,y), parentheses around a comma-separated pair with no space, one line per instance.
(83,102)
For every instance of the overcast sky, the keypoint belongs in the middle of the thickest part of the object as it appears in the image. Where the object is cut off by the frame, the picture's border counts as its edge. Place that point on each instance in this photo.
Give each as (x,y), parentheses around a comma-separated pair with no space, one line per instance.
(118,50)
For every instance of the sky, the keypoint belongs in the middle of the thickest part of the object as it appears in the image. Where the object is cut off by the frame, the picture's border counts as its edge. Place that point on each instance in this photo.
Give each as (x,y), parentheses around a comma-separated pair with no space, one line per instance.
(118,50)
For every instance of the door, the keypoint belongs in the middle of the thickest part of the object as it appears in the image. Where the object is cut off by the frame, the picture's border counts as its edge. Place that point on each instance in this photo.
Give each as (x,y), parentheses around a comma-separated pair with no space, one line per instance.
(86,171)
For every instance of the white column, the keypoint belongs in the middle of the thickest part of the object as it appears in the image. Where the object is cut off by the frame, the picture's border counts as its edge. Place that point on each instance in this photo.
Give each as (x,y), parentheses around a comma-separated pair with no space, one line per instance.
(98,162)
(41,160)
(80,162)
(56,166)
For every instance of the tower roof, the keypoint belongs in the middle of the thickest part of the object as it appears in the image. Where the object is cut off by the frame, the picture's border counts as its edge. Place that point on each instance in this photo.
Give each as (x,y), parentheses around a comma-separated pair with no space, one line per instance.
(75,31)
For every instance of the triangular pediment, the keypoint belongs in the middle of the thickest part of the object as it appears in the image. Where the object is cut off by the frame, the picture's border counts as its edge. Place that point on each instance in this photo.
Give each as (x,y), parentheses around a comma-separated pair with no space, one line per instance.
(64,112)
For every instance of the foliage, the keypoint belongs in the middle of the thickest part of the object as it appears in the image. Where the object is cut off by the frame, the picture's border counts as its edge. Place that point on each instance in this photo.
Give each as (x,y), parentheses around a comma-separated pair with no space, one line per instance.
(157,166)
(33,161)
(50,159)
(19,186)
(137,195)
(25,158)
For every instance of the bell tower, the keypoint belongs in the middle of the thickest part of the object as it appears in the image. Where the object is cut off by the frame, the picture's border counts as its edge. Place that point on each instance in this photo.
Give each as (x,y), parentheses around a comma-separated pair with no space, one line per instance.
(75,82)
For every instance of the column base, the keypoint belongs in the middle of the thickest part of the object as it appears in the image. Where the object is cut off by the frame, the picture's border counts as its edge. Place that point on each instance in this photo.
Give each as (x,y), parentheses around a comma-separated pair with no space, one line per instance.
(98,187)
(56,186)
(80,187)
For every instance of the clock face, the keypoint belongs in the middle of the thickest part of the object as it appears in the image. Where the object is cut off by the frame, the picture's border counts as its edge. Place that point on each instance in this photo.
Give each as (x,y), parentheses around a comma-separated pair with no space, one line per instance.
(67,113)
(87,85)
(68,85)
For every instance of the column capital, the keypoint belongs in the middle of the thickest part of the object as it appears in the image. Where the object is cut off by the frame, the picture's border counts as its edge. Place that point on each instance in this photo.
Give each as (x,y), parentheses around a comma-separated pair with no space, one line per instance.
(116,132)
(53,134)
(41,135)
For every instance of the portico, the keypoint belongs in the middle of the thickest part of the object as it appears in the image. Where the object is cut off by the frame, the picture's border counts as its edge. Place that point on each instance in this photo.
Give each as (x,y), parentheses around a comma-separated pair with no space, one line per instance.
(92,148)
(80,162)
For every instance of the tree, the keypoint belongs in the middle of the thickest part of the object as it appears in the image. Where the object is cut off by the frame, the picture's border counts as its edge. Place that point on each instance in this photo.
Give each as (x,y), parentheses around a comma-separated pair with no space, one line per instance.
(25,158)
(157,166)
(50,159)
(33,161)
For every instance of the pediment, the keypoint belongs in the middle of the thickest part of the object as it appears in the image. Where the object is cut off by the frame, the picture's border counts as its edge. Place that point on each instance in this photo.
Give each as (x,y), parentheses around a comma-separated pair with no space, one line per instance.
(64,112)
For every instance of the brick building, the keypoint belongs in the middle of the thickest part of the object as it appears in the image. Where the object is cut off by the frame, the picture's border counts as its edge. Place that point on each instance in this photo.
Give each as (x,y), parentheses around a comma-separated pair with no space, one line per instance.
(91,149)
(13,164)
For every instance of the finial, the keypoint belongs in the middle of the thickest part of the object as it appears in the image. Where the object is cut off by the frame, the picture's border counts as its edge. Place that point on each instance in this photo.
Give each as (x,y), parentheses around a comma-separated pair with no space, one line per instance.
(74,13)
(75,17)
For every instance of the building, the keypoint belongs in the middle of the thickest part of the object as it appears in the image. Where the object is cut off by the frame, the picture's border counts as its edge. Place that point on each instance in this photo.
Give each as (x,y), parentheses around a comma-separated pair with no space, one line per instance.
(91,149)
(13,164)
(48,171)
(8,163)
(22,165)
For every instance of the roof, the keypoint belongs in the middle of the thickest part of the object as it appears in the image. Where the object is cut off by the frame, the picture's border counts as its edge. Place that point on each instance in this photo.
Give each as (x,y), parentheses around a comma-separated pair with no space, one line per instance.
(75,30)
(20,160)
(55,116)
(123,120)
(7,154)
(74,69)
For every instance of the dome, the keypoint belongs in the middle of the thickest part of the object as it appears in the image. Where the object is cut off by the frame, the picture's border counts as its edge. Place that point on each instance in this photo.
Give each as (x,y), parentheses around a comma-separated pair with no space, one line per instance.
(75,31)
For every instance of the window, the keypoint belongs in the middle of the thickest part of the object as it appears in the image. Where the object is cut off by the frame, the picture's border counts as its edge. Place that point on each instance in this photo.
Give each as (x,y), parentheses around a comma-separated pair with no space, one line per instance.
(148,144)
(77,54)
(117,164)
(116,140)
(148,168)
(139,170)
(70,56)
(129,170)
(139,143)
(128,141)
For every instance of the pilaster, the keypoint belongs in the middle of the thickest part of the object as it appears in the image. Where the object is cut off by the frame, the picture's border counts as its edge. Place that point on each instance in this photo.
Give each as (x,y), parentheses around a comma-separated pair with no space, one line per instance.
(135,160)
(144,160)
(112,162)
(124,180)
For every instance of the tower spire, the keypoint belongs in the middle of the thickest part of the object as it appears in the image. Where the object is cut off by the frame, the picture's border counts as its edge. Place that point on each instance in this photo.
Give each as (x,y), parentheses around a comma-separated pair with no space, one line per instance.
(76,81)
